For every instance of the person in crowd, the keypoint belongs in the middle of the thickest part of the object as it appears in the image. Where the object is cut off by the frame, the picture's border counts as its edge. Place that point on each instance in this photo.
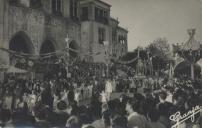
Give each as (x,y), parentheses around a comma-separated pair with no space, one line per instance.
(75,108)
(41,103)
(77,96)
(108,89)
(84,120)
(153,115)
(135,119)
(98,123)
(169,97)
(46,96)
(64,96)
(41,117)
(32,100)
(162,100)
(103,97)
(131,85)
(72,122)
(71,95)
(119,122)
(60,116)
(90,88)
(164,112)
(7,104)
(96,107)
(106,115)
(5,118)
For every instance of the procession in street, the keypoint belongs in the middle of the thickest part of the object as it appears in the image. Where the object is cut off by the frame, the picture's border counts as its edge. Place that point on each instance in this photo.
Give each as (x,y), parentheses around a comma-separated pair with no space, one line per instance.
(67,65)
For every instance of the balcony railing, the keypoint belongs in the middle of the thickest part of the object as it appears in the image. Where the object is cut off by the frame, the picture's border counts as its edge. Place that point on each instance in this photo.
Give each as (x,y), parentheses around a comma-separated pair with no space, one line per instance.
(102,20)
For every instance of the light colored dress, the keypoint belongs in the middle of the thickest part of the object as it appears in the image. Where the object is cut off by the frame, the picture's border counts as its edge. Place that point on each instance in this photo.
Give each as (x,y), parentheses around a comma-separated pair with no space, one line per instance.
(76,96)
(103,97)
(8,102)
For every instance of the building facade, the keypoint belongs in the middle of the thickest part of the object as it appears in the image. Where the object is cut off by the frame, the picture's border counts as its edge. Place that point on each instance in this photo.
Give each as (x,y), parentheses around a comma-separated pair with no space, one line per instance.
(38,27)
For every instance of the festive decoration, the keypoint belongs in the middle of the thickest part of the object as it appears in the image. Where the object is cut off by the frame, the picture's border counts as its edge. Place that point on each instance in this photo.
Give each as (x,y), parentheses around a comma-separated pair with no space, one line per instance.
(59,53)
(30,63)
(190,51)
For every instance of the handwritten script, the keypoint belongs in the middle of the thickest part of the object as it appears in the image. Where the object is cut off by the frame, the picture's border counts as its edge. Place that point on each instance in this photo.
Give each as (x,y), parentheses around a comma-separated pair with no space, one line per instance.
(179,119)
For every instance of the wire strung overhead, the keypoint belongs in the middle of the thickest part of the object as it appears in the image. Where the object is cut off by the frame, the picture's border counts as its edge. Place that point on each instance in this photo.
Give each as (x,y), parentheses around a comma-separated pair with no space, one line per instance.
(126,62)
(45,55)
(59,53)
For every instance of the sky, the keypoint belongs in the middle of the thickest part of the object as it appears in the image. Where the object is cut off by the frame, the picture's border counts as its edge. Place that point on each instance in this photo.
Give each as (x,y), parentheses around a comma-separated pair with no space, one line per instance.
(147,20)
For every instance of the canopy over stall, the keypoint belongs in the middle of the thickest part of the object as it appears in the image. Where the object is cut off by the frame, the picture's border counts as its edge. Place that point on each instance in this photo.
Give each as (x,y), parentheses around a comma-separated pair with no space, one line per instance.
(15,70)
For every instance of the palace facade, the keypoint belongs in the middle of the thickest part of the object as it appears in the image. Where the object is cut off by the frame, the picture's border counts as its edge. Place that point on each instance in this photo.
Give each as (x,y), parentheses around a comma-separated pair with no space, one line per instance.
(38,27)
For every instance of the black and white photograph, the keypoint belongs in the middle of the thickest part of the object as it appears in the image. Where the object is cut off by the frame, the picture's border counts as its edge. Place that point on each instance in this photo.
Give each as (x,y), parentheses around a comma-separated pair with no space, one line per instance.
(100,63)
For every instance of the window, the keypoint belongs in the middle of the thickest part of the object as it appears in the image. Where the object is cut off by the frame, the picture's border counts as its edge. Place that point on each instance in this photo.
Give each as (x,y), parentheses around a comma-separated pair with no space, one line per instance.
(56,6)
(96,13)
(13,2)
(84,15)
(114,33)
(35,3)
(26,3)
(119,38)
(101,15)
(105,17)
(101,35)
(122,39)
(73,8)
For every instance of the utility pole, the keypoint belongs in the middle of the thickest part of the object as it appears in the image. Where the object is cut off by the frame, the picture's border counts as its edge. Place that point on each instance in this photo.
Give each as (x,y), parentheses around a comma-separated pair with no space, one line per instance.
(66,54)
(106,45)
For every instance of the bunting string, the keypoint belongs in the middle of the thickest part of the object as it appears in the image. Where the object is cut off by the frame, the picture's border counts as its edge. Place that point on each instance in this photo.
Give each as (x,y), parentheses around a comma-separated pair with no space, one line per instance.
(126,62)
(60,53)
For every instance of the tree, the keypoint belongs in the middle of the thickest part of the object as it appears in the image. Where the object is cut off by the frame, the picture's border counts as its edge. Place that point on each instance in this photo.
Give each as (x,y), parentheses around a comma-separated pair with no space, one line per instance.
(132,55)
(160,51)
(160,48)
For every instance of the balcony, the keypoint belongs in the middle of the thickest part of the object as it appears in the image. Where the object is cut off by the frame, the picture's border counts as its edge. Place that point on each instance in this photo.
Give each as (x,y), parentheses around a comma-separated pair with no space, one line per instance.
(28,3)
(102,20)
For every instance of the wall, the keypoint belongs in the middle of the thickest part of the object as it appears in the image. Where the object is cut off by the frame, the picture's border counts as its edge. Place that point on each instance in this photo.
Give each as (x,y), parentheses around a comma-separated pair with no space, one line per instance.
(85,38)
(38,26)
(97,47)
(66,10)
(119,46)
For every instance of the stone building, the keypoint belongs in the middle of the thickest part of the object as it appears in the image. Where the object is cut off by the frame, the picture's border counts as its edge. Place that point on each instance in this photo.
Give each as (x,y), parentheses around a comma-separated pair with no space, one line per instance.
(40,26)
(97,26)
(119,44)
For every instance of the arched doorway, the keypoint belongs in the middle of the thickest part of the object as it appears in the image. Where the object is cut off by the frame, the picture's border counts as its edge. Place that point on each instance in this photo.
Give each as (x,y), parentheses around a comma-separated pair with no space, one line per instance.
(183,69)
(21,43)
(46,66)
(74,52)
(47,47)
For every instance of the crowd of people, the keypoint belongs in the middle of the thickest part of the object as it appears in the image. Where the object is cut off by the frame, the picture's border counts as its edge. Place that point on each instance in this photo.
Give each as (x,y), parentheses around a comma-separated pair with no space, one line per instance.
(87,103)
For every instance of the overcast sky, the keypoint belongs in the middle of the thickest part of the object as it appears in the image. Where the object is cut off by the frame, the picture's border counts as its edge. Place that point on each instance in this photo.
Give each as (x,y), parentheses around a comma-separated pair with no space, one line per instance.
(147,20)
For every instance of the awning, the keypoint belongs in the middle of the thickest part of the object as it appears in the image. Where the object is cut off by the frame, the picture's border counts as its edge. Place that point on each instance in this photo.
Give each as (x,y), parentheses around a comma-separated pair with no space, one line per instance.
(3,67)
(12,69)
